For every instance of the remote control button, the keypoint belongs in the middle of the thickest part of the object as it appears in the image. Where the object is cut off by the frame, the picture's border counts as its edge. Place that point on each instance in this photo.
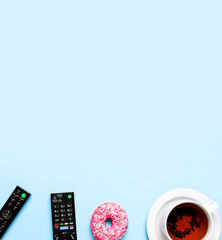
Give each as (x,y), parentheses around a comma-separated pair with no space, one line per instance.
(69,210)
(63,215)
(56,211)
(57,220)
(11,203)
(64,228)
(69,214)
(15,195)
(62,206)
(63,210)
(69,196)
(57,215)
(7,214)
(63,219)
(18,191)
(23,195)
(15,208)
(69,205)
(72,236)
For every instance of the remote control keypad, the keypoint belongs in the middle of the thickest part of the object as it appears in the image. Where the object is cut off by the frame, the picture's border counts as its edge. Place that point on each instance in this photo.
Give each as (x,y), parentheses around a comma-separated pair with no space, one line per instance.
(11,208)
(63,214)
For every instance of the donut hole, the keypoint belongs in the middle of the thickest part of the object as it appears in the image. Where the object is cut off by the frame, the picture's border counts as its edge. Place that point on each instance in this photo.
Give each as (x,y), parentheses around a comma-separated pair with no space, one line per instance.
(108,222)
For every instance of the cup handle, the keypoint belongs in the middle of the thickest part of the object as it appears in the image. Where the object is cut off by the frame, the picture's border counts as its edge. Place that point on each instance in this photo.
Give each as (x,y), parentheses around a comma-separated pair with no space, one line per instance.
(212,207)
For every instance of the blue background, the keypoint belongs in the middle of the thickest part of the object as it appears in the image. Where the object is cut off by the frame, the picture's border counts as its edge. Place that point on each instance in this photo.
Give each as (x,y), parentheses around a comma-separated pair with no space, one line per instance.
(114,100)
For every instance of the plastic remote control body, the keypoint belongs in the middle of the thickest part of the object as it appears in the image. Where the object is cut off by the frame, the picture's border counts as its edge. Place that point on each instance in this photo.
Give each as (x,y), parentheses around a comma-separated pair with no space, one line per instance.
(63,216)
(11,208)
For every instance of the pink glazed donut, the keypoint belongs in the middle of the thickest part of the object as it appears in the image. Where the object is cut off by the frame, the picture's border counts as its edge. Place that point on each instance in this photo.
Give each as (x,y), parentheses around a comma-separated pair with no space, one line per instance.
(119,222)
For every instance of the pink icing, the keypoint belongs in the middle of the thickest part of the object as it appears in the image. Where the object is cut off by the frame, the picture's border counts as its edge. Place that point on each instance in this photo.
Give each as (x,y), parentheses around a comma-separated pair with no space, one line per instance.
(119,222)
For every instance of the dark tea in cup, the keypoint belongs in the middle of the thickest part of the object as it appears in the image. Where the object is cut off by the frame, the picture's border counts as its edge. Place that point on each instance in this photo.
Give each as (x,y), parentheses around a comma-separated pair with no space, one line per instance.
(187,221)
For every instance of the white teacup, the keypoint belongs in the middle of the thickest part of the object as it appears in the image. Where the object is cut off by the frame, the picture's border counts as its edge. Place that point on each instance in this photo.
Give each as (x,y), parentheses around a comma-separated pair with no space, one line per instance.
(208,209)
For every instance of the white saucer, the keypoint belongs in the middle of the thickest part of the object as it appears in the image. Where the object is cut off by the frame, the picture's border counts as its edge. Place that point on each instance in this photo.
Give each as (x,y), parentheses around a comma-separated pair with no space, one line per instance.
(155,214)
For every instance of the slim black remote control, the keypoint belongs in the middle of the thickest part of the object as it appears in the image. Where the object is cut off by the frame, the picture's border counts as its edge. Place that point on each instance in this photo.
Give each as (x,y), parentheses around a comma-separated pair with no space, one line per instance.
(63,216)
(11,208)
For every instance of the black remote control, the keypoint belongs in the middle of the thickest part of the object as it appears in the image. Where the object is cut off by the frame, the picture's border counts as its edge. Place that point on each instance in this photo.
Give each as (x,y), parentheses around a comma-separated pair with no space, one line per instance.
(63,216)
(11,208)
